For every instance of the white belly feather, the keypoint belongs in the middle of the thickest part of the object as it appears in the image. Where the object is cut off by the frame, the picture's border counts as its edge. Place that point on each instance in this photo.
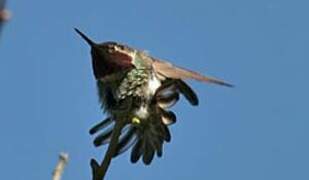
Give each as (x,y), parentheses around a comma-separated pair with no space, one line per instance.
(153,84)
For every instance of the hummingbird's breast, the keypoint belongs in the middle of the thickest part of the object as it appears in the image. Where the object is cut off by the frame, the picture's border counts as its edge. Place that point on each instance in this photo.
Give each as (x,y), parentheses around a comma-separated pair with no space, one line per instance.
(139,83)
(132,94)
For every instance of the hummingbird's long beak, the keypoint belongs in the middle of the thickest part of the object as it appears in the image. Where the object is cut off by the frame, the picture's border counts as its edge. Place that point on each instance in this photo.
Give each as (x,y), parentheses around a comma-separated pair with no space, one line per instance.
(89,41)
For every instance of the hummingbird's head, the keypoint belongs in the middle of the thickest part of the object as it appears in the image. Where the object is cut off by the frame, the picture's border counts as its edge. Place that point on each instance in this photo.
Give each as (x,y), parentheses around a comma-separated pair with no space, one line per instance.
(109,57)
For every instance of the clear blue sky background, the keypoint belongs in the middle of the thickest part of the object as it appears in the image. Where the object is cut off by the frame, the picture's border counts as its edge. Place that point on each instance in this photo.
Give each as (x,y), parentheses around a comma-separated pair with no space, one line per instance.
(258,130)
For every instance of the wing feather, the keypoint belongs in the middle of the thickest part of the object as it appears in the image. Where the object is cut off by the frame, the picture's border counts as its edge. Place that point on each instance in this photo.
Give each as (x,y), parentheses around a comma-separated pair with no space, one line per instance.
(169,70)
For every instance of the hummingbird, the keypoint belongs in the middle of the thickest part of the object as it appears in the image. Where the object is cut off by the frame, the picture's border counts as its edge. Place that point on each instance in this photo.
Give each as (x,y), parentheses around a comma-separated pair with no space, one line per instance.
(136,92)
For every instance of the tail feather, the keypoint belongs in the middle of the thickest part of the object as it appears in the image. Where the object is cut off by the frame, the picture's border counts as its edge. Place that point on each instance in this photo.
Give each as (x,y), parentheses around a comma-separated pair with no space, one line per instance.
(168,117)
(168,93)
(160,150)
(152,135)
(157,144)
(188,93)
(166,102)
(103,138)
(148,152)
(106,122)
(126,141)
(167,136)
(137,151)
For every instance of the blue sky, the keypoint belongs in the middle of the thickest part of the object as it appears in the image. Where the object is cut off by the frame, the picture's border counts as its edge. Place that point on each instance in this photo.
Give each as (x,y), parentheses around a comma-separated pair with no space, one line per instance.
(258,130)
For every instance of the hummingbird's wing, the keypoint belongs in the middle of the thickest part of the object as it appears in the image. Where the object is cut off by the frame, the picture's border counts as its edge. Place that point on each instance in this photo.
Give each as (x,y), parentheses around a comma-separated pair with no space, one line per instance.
(169,70)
